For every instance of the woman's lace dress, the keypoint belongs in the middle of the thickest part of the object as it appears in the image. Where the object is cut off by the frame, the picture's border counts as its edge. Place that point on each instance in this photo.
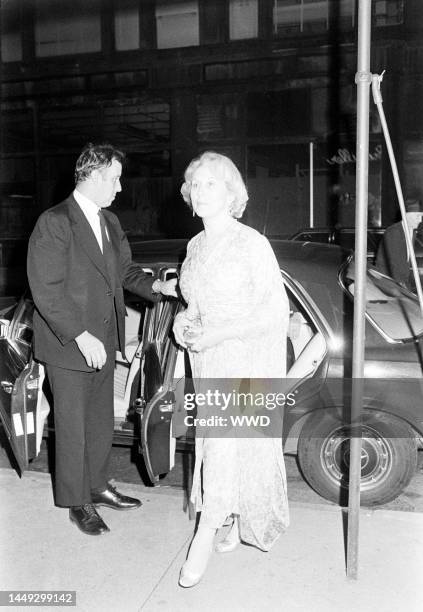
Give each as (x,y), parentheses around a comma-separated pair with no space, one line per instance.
(238,283)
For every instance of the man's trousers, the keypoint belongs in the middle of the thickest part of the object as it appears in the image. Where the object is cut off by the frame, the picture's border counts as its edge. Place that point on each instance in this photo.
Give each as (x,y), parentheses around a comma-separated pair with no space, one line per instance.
(84,423)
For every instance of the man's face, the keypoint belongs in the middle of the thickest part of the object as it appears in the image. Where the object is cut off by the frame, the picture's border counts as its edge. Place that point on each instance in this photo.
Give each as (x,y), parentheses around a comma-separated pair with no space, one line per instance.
(108,184)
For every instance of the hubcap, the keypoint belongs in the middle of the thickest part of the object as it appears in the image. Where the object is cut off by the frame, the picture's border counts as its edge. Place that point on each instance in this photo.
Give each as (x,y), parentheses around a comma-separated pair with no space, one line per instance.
(376,457)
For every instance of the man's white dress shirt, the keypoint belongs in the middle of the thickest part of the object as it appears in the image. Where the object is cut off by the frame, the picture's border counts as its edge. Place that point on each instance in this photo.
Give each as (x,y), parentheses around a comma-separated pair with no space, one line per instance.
(91,210)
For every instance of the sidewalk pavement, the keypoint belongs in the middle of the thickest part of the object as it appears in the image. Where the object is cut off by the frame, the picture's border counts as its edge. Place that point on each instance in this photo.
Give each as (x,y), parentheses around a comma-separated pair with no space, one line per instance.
(135,567)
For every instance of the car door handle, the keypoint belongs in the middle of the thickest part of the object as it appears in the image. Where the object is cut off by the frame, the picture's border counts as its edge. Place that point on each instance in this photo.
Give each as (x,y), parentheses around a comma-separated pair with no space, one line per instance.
(6,386)
(166,408)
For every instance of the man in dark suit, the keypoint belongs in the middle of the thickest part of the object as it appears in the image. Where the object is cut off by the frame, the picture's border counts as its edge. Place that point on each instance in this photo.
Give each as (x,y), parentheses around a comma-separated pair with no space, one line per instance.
(392,256)
(79,261)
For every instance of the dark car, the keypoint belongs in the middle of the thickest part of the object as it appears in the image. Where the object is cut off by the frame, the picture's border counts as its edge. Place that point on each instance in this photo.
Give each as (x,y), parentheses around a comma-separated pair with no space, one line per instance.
(150,386)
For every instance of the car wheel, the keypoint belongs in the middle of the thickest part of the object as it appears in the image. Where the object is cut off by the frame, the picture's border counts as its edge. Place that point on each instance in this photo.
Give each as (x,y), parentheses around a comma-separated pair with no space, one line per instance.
(388,456)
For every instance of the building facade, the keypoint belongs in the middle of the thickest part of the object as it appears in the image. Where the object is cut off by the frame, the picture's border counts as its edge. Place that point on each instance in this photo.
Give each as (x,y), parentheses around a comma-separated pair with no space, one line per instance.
(268,82)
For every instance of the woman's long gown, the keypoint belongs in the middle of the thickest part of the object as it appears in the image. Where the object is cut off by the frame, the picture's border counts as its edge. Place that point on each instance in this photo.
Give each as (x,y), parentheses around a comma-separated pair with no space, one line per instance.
(238,283)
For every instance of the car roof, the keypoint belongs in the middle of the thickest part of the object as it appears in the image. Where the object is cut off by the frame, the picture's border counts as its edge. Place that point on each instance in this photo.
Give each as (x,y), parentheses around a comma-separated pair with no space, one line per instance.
(171,251)
(316,267)
(312,264)
(309,260)
(295,257)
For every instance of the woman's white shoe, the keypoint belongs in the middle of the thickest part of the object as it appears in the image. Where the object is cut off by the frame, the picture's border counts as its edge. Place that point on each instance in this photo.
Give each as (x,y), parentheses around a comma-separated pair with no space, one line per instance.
(226,546)
(231,541)
(198,557)
(187,579)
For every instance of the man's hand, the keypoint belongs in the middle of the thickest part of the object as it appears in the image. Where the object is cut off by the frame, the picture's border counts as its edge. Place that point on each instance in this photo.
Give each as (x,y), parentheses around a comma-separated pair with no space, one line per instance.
(93,350)
(166,287)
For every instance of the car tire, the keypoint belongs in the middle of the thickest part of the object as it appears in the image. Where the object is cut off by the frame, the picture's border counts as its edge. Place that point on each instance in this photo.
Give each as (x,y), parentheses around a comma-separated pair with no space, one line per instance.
(388,456)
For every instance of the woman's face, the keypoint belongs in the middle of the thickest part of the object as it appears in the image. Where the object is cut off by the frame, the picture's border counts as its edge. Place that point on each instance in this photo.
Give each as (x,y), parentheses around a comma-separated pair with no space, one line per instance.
(209,194)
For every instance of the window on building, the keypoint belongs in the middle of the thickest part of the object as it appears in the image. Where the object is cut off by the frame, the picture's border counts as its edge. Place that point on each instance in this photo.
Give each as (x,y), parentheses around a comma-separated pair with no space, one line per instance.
(177,24)
(278,192)
(63,28)
(70,125)
(127,25)
(17,210)
(213,22)
(218,116)
(17,176)
(310,16)
(133,124)
(314,15)
(243,19)
(11,28)
(346,15)
(292,16)
(17,131)
(278,113)
(388,12)
(127,124)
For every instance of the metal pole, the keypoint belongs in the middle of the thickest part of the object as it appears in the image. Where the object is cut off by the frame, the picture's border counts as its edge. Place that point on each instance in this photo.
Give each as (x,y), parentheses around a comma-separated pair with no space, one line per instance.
(363,81)
(311,186)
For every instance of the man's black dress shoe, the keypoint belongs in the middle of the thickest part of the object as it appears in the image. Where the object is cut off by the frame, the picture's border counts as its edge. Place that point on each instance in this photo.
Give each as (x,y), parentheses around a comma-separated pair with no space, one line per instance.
(112,499)
(87,519)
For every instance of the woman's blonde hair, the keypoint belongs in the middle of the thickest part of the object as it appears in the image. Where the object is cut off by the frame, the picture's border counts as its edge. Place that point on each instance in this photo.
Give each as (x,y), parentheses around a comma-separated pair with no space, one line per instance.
(224,169)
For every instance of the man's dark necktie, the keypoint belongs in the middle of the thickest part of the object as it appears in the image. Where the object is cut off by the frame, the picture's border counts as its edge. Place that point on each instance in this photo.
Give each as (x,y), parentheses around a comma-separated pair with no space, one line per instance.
(107,250)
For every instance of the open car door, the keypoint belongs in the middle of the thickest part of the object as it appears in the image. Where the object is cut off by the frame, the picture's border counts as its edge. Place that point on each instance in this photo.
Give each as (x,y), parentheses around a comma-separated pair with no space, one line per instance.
(157,402)
(307,364)
(308,345)
(20,384)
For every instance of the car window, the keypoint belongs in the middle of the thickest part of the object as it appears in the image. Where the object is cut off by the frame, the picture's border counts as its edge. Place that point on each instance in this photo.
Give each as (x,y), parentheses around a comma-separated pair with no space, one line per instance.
(393,310)
(306,344)
(301,326)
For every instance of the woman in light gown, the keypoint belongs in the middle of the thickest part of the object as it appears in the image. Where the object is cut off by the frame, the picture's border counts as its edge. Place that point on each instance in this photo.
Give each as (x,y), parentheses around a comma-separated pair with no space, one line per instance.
(237,317)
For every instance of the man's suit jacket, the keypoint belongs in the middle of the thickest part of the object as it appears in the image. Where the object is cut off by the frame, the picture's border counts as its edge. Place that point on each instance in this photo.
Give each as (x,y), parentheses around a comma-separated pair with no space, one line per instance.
(71,288)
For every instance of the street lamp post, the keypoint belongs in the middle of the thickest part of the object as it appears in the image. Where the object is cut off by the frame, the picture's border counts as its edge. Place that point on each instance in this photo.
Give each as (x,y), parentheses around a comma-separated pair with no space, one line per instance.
(363,80)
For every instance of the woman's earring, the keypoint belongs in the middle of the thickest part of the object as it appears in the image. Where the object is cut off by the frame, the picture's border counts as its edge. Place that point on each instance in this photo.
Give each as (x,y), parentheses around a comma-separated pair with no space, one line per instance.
(193,212)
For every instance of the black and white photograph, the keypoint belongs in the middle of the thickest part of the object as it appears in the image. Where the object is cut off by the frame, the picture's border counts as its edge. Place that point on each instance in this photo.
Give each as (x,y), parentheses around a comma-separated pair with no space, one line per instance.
(211,305)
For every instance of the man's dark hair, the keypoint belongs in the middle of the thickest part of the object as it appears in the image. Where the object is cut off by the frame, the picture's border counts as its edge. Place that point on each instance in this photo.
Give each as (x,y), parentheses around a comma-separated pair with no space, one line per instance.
(95,157)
